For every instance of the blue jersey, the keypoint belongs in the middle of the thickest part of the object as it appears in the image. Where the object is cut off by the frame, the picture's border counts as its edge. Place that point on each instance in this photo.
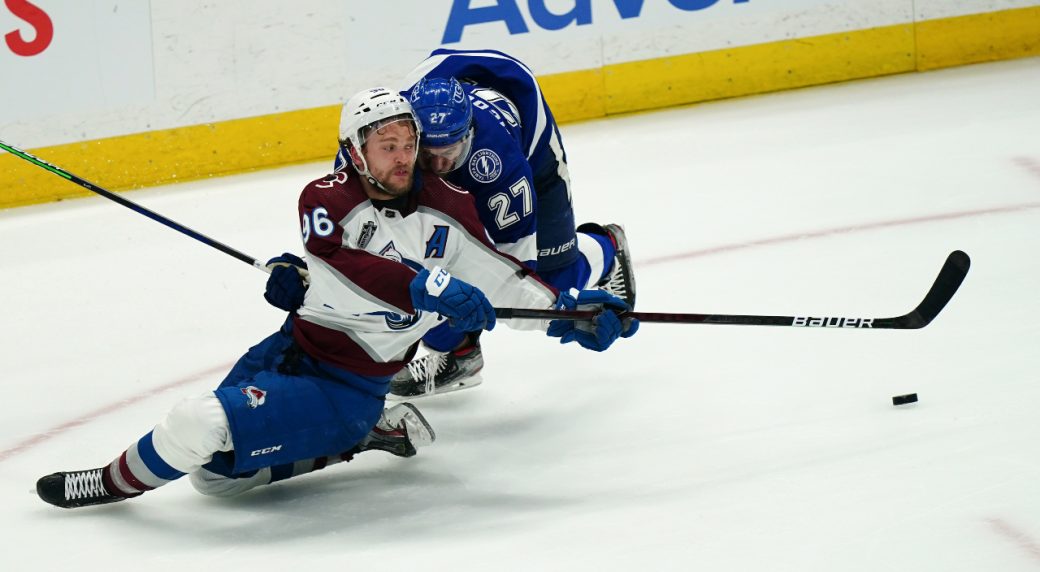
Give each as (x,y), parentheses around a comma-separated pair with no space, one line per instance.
(499,177)
(517,168)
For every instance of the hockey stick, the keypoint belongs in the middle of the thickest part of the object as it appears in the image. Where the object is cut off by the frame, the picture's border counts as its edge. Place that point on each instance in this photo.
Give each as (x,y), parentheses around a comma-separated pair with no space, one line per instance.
(134,206)
(950,277)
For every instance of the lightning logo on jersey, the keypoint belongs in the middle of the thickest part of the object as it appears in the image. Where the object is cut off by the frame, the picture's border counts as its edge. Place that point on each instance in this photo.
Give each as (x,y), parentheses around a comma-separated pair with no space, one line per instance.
(485,165)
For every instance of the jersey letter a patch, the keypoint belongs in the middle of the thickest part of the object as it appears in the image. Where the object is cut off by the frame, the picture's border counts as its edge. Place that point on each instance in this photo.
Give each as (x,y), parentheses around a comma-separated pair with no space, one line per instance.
(438,242)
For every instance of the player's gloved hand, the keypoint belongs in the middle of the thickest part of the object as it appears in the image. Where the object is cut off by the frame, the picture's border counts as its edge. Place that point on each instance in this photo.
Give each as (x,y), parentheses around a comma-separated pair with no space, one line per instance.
(464,305)
(598,333)
(287,283)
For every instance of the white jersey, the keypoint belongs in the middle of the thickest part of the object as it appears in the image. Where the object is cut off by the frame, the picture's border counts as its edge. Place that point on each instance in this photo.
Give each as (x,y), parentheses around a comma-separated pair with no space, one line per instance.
(363,255)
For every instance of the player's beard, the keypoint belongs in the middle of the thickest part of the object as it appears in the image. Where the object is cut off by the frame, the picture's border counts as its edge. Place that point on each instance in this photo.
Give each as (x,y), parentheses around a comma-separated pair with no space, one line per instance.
(394,183)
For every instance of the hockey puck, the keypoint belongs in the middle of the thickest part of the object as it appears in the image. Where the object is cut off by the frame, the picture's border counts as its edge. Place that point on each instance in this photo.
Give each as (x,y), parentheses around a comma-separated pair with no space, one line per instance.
(904,399)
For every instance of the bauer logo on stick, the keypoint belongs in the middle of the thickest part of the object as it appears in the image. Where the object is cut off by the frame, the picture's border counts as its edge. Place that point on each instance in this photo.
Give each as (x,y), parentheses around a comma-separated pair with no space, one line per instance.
(808,322)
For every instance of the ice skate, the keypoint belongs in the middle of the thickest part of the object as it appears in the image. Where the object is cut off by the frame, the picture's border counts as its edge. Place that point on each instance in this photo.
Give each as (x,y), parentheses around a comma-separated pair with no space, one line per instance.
(439,372)
(75,489)
(621,280)
(399,431)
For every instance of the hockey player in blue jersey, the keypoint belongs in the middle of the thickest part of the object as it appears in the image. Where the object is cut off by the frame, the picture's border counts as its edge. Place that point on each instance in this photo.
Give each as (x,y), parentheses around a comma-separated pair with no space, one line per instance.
(493,134)
(393,252)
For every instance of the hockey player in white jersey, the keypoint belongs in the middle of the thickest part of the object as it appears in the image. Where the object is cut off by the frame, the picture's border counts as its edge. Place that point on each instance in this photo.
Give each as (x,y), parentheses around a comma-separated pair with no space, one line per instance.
(393,252)
(493,134)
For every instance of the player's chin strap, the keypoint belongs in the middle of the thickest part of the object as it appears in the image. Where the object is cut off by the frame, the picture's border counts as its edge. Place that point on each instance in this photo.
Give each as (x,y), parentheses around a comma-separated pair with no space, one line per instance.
(364,172)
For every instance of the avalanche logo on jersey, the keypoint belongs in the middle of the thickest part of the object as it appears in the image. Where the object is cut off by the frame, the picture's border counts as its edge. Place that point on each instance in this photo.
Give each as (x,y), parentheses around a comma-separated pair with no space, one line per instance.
(256,396)
(398,322)
(390,251)
(485,166)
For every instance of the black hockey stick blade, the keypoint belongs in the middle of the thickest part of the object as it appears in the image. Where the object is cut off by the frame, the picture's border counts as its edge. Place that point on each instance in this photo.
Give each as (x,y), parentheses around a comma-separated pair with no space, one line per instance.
(951,275)
(945,286)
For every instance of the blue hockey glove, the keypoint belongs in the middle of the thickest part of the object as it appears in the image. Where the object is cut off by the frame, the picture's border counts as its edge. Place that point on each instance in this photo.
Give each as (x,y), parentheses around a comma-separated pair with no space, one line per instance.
(596,334)
(464,305)
(286,285)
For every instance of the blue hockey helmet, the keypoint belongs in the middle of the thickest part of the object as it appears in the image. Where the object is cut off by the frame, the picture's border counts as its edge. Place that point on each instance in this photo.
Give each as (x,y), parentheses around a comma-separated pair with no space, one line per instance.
(446,117)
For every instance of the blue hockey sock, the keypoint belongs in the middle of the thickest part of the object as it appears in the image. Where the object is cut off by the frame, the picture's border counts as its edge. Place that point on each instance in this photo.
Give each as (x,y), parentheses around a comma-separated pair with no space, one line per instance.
(443,338)
(595,251)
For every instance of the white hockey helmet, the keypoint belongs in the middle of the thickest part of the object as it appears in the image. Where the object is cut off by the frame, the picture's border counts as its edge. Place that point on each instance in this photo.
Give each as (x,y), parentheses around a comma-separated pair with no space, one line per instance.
(372,108)
(367,111)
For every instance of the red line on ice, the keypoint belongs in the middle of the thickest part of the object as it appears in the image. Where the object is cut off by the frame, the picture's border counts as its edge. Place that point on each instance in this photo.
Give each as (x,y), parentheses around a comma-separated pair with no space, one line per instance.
(55,431)
(111,408)
(1030,164)
(1023,540)
(835,231)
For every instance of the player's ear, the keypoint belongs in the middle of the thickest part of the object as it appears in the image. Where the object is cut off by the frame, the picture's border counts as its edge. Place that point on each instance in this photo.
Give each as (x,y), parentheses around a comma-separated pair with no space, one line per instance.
(355,157)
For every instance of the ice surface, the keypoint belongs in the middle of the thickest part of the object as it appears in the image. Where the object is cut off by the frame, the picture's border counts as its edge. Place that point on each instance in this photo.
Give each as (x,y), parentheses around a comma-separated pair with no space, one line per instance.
(685,448)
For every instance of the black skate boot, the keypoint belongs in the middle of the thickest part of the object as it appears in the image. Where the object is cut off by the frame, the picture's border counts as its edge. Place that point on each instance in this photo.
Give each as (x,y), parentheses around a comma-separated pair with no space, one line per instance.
(399,431)
(440,372)
(75,489)
(621,280)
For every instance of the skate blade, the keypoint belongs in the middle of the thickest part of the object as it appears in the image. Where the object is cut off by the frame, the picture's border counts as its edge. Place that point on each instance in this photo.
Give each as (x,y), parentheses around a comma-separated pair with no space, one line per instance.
(467,383)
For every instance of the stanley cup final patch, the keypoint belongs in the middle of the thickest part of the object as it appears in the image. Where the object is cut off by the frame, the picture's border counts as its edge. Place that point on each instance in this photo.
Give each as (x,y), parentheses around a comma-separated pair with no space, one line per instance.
(485,166)
(367,231)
